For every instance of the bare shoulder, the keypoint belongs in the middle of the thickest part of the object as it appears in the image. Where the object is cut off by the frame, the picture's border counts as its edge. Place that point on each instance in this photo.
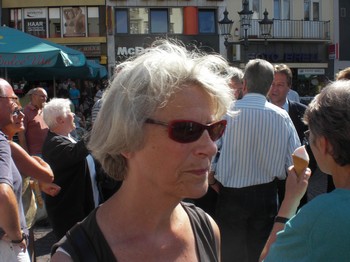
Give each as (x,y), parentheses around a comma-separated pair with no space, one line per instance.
(61,257)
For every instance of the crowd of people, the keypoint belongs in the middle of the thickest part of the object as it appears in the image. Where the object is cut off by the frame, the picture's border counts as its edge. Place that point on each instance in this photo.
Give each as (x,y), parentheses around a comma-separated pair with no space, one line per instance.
(187,159)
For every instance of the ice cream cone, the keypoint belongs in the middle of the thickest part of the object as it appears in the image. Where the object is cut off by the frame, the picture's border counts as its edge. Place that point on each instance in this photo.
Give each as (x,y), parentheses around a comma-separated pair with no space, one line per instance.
(299,164)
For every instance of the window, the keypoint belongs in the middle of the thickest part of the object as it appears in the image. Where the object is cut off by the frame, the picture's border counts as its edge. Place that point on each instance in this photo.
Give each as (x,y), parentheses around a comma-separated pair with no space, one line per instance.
(282,9)
(16,18)
(176,21)
(149,20)
(93,21)
(311,10)
(121,18)
(207,21)
(316,11)
(255,7)
(54,22)
(159,20)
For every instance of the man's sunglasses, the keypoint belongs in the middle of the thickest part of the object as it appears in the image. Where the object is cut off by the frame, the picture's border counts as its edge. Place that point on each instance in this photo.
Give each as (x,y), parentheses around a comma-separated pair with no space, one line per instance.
(187,131)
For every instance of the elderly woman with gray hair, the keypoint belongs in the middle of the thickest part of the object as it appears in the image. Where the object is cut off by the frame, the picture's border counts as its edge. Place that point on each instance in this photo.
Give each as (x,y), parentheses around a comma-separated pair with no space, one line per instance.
(156,131)
(73,168)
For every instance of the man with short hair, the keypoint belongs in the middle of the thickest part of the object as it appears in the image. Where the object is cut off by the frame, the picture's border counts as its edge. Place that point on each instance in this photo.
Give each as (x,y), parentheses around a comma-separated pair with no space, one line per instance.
(33,137)
(13,229)
(256,149)
(278,95)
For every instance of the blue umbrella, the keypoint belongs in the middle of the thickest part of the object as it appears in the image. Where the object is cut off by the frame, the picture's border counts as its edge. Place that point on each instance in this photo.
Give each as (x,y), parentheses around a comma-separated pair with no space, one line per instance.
(18,50)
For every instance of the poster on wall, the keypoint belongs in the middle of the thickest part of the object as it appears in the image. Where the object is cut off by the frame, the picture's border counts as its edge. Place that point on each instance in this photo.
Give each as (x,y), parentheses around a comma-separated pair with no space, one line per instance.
(36,27)
(74,21)
(35,21)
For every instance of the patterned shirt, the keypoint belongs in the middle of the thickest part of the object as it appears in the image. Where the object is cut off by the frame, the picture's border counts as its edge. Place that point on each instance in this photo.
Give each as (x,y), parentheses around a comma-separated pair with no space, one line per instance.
(257,145)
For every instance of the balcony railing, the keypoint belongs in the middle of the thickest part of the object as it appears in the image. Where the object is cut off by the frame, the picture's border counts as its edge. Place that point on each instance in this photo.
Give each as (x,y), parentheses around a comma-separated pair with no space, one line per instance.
(292,29)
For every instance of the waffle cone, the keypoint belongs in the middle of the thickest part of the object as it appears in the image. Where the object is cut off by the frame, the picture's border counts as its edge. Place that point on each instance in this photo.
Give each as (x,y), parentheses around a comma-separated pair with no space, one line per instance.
(299,164)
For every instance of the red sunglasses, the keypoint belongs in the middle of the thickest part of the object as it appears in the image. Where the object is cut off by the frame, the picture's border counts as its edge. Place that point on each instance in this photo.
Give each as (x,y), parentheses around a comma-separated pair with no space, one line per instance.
(187,131)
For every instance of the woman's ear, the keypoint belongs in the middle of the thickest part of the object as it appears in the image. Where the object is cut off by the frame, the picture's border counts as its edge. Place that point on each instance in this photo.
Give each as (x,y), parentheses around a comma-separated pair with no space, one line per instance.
(127,155)
(59,120)
(323,145)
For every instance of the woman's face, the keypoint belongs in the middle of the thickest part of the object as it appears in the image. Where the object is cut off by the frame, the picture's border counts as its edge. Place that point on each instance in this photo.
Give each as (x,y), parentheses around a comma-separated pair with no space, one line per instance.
(178,170)
(68,122)
(17,122)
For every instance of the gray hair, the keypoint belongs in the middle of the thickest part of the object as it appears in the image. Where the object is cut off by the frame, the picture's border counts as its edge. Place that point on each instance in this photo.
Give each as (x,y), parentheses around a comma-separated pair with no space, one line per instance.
(57,107)
(328,115)
(234,73)
(258,75)
(141,86)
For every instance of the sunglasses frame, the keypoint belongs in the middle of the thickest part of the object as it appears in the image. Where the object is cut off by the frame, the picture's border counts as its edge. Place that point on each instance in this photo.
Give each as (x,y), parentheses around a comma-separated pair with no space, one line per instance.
(209,127)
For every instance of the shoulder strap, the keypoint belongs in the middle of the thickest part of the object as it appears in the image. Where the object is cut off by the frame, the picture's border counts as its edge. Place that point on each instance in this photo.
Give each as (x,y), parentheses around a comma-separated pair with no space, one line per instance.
(77,244)
(203,231)
(81,244)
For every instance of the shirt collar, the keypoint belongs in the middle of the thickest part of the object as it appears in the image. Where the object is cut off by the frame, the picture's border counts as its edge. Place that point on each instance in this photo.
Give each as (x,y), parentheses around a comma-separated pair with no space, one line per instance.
(286,105)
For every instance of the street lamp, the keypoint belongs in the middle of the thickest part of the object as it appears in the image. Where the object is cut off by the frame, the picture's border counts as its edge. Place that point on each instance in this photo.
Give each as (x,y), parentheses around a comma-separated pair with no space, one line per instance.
(246,19)
(265,26)
(225,26)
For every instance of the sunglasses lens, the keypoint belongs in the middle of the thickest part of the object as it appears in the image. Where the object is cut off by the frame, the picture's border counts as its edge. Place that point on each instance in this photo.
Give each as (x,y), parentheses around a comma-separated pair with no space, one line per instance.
(189,131)
(217,129)
(186,131)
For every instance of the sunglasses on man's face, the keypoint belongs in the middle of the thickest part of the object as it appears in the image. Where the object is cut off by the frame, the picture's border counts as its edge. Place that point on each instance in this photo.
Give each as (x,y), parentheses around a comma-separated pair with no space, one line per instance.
(187,131)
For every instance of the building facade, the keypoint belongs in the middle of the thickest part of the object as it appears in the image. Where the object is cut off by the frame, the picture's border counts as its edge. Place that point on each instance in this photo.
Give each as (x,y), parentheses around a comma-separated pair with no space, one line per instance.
(78,24)
(304,34)
(301,34)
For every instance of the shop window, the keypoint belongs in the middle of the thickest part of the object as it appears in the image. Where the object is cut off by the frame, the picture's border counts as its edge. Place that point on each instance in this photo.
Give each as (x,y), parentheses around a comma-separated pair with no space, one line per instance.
(93,21)
(35,21)
(74,21)
(121,18)
(54,22)
(16,18)
(206,21)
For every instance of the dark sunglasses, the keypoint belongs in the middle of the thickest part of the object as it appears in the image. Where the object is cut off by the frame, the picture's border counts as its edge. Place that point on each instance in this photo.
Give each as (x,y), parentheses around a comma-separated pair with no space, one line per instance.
(17,111)
(187,131)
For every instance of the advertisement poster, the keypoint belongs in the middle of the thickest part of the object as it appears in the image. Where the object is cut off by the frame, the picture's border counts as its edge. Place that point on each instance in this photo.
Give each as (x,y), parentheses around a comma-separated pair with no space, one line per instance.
(35,21)
(74,21)
(36,27)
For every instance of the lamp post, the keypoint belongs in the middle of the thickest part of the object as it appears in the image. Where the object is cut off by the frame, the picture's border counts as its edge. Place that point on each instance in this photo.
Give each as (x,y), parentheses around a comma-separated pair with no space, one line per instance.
(246,19)
(225,26)
(265,26)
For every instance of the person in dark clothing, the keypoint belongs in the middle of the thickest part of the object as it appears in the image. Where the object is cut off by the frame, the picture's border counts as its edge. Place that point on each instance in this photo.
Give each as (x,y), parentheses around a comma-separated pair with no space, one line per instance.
(156,131)
(73,168)
(278,96)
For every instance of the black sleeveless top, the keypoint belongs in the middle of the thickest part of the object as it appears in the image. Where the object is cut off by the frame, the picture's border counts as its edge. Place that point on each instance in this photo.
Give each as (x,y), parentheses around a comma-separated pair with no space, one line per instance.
(89,244)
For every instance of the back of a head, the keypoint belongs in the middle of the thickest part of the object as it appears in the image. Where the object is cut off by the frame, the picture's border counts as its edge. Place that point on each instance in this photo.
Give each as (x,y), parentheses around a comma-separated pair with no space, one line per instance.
(343,74)
(3,85)
(258,75)
(235,74)
(144,84)
(328,115)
